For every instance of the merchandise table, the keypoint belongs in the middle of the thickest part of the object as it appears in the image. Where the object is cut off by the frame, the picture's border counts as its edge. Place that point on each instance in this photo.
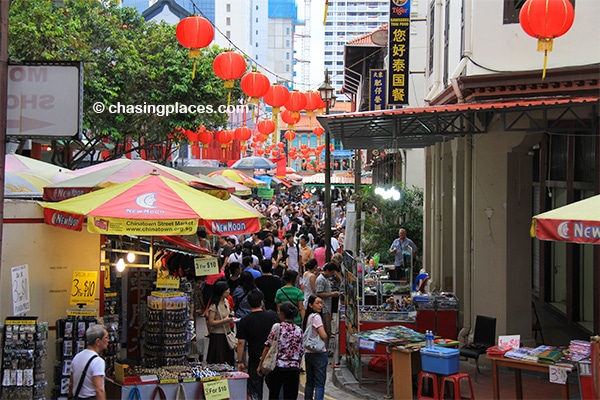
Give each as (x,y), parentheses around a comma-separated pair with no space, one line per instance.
(519,365)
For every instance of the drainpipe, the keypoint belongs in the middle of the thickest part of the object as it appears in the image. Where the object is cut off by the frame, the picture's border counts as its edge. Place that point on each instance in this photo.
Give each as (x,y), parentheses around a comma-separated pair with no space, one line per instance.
(467,257)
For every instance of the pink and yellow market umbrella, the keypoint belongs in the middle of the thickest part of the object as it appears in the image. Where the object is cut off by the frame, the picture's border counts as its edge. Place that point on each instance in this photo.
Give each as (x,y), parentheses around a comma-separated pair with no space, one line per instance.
(152,205)
(23,185)
(239,177)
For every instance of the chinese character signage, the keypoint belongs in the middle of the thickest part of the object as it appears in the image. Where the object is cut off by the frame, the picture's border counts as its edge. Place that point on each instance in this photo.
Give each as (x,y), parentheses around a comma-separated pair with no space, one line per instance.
(398,44)
(378,92)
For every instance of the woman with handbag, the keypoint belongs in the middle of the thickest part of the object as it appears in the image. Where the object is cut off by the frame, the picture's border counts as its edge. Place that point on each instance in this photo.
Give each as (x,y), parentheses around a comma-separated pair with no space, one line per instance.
(315,355)
(219,320)
(286,337)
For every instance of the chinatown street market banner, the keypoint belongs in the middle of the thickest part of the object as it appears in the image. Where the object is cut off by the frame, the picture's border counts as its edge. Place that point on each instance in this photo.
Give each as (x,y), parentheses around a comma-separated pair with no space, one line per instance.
(577,222)
(151,205)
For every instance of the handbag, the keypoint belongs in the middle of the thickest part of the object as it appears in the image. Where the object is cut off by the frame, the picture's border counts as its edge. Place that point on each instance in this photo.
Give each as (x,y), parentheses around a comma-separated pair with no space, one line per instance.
(312,342)
(232,341)
(270,361)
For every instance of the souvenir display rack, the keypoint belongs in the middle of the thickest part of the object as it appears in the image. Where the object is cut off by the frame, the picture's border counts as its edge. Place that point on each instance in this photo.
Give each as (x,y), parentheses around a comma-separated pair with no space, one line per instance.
(166,336)
(24,349)
(70,340)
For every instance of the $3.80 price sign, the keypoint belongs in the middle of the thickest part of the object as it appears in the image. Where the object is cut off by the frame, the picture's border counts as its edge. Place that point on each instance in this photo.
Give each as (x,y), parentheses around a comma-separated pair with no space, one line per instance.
(558,374)
(206,266)
(83,287)
(216,390)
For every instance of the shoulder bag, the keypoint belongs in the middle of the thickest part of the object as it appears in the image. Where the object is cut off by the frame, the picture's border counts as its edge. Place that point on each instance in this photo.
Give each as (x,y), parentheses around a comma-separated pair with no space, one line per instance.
(312,342)
(270,361)
(160,392)
(82,378)
(232,341)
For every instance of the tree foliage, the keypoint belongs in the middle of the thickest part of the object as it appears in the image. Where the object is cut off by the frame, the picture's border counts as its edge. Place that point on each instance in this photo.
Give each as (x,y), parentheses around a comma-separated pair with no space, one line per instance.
(385,217)
(126,61)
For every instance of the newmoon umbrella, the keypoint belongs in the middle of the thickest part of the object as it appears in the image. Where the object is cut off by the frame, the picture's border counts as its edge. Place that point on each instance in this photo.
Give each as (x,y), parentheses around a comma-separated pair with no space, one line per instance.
(253,163)
(577,222)
(239,177)
(23,185)
(152,205)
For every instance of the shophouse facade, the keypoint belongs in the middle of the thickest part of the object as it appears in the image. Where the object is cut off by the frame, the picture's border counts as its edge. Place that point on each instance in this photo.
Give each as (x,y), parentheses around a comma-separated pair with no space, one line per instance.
(501,144)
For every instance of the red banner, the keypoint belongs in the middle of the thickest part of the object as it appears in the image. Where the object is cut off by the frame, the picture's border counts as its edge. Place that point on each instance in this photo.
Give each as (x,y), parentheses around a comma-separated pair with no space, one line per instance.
(64,220)
(231,227)
(58,194)
(568,231)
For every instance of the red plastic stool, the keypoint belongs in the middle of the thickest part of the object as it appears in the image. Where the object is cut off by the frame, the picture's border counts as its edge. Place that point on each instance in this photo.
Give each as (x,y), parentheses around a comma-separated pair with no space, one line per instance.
(428,381)
(451,386)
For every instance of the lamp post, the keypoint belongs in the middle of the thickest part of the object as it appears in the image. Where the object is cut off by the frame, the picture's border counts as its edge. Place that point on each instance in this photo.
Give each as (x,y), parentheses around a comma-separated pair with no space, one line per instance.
(326,92)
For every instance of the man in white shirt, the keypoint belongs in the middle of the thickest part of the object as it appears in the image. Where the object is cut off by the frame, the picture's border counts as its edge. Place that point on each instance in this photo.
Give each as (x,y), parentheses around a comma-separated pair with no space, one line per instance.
(92,384)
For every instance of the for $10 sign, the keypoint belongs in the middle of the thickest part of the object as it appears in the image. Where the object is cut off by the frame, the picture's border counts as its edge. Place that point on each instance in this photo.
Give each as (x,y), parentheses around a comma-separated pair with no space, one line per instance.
(216,390)
(83,287)
(206,266)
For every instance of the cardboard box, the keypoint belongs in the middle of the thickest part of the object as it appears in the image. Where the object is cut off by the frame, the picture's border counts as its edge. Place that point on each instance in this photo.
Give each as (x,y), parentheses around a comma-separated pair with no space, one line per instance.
(440,360)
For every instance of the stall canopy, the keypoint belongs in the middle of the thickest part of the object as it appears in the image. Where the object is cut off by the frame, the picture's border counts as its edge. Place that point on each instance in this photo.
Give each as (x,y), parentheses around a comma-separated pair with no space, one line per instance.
(577,222)
(424,126)
(318,179)
(151,206)
(239,177)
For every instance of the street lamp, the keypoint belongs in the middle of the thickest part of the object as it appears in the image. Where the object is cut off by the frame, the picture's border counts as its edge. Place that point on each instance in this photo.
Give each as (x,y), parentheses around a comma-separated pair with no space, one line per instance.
(327,95)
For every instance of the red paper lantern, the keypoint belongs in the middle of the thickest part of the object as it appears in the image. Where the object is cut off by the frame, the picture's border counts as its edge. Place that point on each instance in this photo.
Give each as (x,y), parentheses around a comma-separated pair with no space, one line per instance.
(546,20)
(276,97)
(229,66)
(243,133)
(289,135)
(275,153)
(259,138)
(318,130)
(259,152)
(296,102)
(265,126)
(194,33)
(224,137)
(313,101)
(255,85)
(281,145)
(291,120)
(205,137)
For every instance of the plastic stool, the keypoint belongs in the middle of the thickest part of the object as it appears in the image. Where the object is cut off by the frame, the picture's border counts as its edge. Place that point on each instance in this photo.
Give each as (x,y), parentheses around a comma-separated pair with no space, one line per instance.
(431,383)
(454,391)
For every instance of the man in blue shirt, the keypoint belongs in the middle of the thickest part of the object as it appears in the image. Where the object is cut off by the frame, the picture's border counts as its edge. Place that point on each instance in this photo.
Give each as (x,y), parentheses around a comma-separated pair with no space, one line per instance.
(248,263)
(398,247)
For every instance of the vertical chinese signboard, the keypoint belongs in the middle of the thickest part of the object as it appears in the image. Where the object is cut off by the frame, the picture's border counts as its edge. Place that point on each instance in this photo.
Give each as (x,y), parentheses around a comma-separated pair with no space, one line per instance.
(398,45)
(378,95)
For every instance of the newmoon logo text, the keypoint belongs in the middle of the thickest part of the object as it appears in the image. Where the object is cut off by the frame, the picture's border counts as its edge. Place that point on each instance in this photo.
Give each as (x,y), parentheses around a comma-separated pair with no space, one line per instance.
(228,227)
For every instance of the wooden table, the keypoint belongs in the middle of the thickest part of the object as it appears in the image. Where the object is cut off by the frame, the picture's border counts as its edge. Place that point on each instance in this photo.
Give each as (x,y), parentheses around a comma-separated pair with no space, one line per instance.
(406,363)
(519,365)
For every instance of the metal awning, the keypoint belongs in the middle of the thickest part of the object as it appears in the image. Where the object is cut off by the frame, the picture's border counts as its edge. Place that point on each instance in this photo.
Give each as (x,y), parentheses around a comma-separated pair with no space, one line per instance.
(424,126)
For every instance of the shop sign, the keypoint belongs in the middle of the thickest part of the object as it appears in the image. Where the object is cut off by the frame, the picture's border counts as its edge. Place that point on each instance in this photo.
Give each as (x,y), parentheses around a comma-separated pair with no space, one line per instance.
(265,193)
(83,287)
(64,220)
(216,390)
(20,289)
(378,92)
(121,226)
(509,341)
(366,344)
(231,227)
(558,374)
(166,281)
(398,45)
(206,266)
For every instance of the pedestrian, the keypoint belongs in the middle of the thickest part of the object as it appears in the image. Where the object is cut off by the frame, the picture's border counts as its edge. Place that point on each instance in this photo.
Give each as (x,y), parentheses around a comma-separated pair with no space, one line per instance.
(306,253)
(253,330)
(219,320)
(248,262)
(90,385)
(290,350)
(241,307)
(289,292)
(268,284)
(319,253)
(292,251)
(399,246)
(324,291)
(315,361)
(279,260)
(309,279)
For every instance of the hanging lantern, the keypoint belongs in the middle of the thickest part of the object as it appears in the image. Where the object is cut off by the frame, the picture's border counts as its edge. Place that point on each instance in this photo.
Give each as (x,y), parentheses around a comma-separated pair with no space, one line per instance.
(259,152)
(224,137)
(275,153)
(265,126)
(194,33)
(281,145)
(322,106)
(243,133)
(276,97)
(204,136)
(313,101)
(259,138)
(318,130)
(229,66)
(289,119)
(546,20)
(296,103)
(255,85)
(289,135)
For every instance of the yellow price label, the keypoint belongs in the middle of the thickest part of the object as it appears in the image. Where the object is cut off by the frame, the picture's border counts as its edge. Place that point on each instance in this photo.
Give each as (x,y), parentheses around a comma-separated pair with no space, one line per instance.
(167,282)
(216,390)
(206,266)
(83,287)
(167,381)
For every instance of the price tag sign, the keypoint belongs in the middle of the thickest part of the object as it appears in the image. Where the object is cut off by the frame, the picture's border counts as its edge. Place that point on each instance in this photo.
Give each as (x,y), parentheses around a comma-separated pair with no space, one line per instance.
(558,374)
(216,390)
(206,266)
(20,289)
(83,287)
(366,344)
(512,341)
(166,281)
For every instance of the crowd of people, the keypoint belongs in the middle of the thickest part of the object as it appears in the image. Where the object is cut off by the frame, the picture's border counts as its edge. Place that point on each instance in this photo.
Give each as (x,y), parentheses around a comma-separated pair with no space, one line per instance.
(275,288)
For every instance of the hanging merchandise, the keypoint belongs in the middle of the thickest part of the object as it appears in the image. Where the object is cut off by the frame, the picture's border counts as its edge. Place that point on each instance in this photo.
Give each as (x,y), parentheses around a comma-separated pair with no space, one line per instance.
(25,342)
